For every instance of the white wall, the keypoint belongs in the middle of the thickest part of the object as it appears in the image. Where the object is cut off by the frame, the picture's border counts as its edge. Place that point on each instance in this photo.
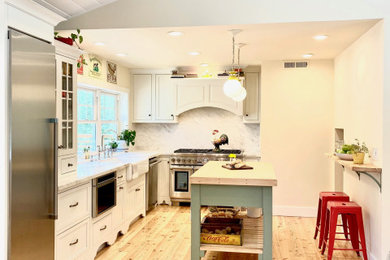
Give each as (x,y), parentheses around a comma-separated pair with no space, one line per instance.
(358,110)
(296,131)
(194,130)
(123,77)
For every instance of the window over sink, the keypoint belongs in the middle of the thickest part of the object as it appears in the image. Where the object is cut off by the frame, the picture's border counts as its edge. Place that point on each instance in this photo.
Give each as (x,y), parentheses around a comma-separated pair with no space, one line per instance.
(98,114)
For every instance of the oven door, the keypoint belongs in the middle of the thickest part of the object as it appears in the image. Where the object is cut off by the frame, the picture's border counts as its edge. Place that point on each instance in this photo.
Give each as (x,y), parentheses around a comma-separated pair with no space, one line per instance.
(180,182)
(103,196)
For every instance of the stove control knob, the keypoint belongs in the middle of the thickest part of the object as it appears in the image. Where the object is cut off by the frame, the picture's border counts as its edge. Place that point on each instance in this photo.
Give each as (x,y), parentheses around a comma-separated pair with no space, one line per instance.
(173,160)
(178,160)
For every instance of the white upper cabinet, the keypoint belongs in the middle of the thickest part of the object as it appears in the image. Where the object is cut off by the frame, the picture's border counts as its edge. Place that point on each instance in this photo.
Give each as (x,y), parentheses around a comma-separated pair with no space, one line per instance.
(157,98)
(219,99)
(142,98)
(191,93)
(252,100)
(165,98)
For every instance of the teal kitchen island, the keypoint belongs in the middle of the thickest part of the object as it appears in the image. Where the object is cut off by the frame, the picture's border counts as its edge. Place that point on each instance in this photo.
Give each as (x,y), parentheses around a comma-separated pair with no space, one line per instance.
(213,185)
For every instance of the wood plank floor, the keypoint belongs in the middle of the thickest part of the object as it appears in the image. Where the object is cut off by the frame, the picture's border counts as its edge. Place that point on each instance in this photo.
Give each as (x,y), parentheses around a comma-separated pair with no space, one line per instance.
(165,233)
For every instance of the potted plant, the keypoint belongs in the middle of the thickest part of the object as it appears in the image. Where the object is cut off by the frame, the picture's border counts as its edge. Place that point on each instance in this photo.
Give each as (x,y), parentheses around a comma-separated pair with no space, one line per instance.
(70,40)
(358,151)
(128,136)
(114,145)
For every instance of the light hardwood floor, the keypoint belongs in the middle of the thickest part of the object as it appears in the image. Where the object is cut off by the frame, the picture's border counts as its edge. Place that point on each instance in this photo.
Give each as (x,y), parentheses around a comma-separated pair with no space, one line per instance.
(165,233)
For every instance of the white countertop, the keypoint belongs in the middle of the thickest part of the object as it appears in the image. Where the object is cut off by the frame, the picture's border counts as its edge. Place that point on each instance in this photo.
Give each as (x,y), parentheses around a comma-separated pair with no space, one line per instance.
(212,173)
(86,170)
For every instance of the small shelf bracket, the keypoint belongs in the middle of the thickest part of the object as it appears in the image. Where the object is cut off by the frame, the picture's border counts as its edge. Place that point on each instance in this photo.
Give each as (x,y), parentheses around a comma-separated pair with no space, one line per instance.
(370,175)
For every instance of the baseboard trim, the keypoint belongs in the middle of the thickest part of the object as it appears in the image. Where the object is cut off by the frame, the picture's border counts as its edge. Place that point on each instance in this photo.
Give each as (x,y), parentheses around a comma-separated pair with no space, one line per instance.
(295,211)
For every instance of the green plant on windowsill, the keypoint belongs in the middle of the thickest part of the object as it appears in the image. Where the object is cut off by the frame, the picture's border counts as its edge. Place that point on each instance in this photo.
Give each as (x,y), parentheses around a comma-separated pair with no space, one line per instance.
(128,136)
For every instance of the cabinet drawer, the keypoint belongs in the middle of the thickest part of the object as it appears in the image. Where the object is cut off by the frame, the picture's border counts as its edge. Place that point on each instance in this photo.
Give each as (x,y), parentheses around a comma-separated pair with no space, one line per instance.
(73,242)
(67,164)
(121,175)
(101,230)
(73,206)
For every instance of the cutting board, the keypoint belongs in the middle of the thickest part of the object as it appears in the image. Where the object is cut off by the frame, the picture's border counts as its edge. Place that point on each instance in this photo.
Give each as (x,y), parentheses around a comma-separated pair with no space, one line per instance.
(245,167)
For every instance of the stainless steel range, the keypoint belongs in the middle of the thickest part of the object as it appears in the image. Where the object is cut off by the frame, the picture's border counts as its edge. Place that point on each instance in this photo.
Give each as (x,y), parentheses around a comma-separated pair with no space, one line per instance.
(185,162)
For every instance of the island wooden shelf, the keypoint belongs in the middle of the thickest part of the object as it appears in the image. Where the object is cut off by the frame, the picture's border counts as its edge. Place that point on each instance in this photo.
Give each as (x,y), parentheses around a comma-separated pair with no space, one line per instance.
(252,239)
(366,169)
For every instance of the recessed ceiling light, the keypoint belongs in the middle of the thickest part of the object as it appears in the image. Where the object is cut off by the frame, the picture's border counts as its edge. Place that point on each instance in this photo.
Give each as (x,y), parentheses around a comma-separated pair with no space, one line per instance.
(307,55)
(175,33)
(321,37)
(121,54)
(99,43)
(204,64)
(194,53)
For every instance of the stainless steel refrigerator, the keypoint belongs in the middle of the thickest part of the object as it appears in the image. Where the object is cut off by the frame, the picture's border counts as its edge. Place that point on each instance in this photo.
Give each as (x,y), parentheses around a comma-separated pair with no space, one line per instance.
(32,147)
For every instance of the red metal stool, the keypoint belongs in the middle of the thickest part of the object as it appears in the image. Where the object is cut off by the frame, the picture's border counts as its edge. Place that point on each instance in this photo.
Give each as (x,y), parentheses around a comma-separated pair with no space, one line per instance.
(323,200)
(353,213)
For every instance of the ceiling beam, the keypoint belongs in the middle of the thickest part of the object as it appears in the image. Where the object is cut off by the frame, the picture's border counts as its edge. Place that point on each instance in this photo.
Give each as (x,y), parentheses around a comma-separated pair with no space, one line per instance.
(179,13)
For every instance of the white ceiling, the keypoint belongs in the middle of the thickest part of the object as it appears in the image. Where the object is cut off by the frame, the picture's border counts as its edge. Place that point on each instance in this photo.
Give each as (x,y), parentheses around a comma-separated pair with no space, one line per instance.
(153,48)
(71,8)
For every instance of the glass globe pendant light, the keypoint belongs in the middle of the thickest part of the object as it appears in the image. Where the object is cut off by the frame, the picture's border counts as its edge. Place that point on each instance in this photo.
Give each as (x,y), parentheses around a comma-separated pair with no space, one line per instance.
(232,86)
(241,94)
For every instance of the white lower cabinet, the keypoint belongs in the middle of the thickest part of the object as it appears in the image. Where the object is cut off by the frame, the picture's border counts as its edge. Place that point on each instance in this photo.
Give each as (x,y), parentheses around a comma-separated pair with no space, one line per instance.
(102,232)
(74,243)
(78,235)
(163,196)
(117,211)
(73,206)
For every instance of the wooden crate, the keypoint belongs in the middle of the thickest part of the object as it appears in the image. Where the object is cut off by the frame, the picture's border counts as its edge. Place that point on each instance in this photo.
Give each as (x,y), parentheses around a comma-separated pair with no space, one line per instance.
(214,224)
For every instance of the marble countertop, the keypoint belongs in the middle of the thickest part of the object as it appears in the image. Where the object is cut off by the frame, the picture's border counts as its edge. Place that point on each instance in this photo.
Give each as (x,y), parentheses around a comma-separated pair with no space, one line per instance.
(86,170)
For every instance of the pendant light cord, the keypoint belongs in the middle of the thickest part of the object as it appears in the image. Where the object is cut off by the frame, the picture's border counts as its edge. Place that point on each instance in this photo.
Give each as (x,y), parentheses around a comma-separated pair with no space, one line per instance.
(233,54)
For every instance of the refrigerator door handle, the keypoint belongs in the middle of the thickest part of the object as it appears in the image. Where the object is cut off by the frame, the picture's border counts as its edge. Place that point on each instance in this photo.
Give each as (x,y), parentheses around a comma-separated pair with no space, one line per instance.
(54,214)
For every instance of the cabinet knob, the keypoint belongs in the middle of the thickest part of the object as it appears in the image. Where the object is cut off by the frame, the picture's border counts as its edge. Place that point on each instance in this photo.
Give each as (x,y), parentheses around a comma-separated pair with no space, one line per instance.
(150,115)
(74,205)
(103,228)
(172,115)
(121,188)
(75,242)
(61,147)
(246,114)
(138,189)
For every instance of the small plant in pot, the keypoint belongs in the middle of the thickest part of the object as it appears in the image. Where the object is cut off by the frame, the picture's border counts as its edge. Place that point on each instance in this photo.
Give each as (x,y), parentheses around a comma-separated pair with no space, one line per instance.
(114,145)
(128,136)
(358,151)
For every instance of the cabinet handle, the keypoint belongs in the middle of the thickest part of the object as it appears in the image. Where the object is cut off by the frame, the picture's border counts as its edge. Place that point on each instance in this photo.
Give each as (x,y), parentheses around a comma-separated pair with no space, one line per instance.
(61,147)
(138,189)
(74,205)
(120,177)
(75,242)
(103,228)
(70,164)
(121,188)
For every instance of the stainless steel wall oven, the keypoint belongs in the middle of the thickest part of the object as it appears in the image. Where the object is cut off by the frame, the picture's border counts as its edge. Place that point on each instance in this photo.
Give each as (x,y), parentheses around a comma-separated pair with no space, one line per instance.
(103,193)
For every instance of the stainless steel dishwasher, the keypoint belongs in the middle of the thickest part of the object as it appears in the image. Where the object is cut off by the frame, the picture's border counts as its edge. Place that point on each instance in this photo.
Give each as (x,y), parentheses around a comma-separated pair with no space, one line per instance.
(151,183)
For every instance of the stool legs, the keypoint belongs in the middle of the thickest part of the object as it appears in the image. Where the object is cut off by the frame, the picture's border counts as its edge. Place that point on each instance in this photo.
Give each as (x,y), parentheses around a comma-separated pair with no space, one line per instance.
(318,219)
(326,233)
(362,235)
(322,227)
(332,234)
(353,229)
(345,225)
